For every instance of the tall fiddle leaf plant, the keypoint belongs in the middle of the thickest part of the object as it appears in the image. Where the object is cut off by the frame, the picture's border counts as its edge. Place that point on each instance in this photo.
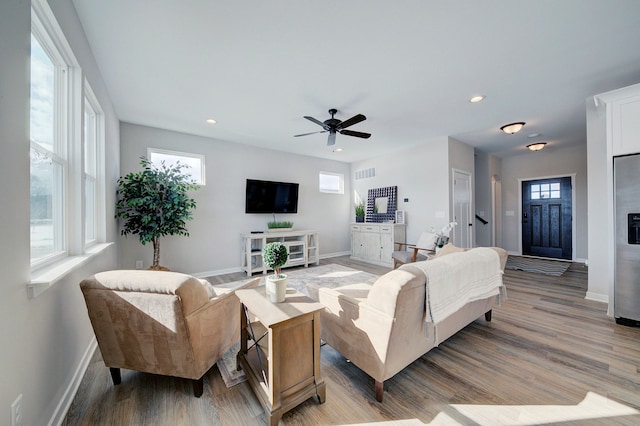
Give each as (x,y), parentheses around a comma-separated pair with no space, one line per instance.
(155,202)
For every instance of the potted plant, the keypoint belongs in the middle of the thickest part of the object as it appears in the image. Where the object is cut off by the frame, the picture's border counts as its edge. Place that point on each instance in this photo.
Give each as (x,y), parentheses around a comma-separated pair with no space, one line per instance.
(280,226)
(155,202)
(275,255)
(360,212)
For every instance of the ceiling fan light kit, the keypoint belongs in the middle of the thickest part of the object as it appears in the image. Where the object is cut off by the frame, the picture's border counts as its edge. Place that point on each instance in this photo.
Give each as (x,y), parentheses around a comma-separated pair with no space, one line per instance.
(334,125)
(513,128)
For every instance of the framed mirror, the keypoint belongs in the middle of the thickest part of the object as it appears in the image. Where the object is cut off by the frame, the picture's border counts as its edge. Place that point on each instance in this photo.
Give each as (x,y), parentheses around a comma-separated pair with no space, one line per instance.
(382,204)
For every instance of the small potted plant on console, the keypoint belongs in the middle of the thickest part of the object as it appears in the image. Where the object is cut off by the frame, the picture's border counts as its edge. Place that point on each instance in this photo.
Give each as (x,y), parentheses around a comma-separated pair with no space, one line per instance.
(275,255)
(360,211)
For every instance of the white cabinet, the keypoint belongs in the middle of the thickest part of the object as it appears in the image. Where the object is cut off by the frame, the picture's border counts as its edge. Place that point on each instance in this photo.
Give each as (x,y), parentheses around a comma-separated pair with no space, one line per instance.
(374,242)
(303,248)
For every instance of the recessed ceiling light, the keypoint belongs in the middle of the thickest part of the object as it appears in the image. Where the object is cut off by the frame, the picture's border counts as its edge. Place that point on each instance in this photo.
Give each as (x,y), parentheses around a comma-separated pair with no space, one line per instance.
(476,99)
(211,121)
(513,128)
(533,135)
(337,150)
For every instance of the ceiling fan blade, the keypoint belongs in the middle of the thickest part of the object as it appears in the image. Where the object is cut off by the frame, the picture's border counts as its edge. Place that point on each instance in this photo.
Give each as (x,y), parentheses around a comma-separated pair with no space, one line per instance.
(332,139)
(350,122)
(356,134)
(312,133)
(318,122)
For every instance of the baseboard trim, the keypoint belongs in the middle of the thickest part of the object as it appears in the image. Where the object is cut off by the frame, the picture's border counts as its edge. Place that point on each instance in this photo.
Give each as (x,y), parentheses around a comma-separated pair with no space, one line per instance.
(598,297)
(65,403)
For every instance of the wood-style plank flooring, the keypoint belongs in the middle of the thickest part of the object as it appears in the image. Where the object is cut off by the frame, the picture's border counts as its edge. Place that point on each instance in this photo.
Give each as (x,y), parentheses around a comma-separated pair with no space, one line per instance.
(548,357)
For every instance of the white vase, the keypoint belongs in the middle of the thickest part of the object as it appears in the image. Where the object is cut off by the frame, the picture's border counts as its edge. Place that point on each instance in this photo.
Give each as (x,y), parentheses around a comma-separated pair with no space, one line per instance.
(277,288)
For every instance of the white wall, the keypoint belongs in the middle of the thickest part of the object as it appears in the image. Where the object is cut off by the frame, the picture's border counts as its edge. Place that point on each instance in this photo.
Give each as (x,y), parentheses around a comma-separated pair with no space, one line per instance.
(533,165)
(486,167)
(602,146)
(461,158)
(43,339)
(214,245)
(421,175)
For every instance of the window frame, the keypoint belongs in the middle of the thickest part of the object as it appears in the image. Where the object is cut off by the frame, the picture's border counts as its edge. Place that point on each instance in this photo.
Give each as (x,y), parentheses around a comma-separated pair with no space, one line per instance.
(199,181)
(325,190)
(71,91)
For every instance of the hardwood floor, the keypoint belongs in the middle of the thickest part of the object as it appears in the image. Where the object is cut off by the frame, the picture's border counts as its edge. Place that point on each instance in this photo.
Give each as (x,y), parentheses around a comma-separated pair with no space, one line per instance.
(548,356)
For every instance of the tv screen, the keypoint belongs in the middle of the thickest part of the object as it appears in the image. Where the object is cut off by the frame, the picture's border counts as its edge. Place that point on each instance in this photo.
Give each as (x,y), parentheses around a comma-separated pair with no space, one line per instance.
(271,197)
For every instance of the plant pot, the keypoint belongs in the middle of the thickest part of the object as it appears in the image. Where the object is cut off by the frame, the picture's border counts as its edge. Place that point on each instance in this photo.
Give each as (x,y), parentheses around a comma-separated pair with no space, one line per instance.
(280,229)
(359,219)
(277,288)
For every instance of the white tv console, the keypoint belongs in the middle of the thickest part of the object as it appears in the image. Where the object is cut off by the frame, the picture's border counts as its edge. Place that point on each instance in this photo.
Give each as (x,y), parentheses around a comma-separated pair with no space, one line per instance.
(303,247)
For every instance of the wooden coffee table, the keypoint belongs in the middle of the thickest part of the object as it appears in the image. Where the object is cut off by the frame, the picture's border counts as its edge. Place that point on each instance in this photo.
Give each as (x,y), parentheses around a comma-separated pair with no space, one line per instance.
(280,350)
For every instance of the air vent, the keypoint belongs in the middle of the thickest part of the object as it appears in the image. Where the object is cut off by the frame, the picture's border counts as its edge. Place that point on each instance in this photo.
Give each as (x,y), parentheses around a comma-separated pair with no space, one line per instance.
(365,173)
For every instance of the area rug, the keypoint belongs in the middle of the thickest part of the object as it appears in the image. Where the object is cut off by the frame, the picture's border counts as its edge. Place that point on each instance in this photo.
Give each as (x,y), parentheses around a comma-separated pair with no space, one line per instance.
(306,281)
(540,266)
(228,367)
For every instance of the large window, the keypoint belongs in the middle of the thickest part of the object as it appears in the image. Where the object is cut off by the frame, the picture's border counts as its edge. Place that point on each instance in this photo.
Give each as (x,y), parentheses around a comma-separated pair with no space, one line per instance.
(92,141)
(49,101)
(66,145)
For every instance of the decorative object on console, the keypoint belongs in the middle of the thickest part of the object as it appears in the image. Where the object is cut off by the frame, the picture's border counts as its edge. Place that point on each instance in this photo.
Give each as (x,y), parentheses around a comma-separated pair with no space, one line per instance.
(275,255)
(360,212)
(400,217)
(280,226)
(382,204)
(155,202)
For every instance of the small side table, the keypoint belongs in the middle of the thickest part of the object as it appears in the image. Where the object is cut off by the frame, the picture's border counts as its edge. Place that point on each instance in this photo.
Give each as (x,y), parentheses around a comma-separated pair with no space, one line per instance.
(280,350)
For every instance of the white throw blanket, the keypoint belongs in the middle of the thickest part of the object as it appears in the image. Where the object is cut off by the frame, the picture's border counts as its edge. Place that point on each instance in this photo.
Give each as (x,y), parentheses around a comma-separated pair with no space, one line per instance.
(456,279)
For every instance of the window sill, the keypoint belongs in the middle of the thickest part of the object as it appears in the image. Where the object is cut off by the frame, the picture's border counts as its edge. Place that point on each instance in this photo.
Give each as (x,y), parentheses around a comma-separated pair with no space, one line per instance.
(45,278)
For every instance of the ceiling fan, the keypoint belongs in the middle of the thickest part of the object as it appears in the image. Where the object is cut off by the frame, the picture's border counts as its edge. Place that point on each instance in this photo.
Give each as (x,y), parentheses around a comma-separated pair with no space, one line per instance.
(334,125)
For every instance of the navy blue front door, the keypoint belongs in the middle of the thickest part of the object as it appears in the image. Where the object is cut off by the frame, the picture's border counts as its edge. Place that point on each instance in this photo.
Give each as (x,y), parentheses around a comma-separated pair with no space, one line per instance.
(546,218)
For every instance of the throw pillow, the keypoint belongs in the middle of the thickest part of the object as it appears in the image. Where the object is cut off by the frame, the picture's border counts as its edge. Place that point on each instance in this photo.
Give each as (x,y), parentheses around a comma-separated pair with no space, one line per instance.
(448,249)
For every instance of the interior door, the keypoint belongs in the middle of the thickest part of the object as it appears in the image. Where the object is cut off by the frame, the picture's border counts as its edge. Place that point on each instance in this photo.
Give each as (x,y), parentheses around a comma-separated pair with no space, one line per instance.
(462,236)
(546,218)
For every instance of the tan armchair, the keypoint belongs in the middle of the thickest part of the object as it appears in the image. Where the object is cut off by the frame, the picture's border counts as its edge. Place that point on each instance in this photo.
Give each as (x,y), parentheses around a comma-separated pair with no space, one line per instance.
(161,322)
(409,253)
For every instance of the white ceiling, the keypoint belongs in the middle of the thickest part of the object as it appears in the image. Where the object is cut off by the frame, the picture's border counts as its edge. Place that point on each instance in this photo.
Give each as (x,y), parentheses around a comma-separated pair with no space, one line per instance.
(258,67)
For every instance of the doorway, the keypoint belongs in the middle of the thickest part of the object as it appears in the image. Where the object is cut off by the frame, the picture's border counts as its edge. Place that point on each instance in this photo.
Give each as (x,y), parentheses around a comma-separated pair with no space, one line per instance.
(462,235)
(547,212)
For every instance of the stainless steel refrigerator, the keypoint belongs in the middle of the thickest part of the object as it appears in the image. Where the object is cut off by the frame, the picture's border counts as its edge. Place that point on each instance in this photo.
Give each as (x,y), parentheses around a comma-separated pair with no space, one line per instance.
(626,176)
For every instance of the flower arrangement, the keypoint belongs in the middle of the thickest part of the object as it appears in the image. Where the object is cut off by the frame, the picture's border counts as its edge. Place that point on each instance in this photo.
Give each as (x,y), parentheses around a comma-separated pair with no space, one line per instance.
(275,255)
(443,235)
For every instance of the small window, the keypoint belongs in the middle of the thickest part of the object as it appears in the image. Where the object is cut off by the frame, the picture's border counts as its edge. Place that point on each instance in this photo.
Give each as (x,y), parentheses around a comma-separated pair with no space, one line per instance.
(331,183)
(194,161)
(545,191)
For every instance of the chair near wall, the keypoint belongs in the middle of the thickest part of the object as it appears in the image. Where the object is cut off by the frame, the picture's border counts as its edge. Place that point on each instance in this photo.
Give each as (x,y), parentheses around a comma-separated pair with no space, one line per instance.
(161,322)
(409,253)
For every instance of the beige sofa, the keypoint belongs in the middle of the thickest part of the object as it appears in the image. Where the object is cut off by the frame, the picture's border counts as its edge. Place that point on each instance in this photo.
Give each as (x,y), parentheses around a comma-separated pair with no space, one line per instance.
(161,322)
(385,326)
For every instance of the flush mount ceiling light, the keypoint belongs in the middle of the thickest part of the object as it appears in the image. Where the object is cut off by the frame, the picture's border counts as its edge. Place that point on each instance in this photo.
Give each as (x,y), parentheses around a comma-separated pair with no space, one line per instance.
(513,127)
(211,121)
(536,146)
(476,99)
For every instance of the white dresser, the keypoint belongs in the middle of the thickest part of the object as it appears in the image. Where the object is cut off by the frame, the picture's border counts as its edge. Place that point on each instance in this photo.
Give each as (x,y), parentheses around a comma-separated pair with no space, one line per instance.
(374,242)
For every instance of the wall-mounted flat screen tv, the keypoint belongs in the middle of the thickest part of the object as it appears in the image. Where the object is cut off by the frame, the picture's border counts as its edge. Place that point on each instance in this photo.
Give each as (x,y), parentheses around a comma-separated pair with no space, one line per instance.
(271,197)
